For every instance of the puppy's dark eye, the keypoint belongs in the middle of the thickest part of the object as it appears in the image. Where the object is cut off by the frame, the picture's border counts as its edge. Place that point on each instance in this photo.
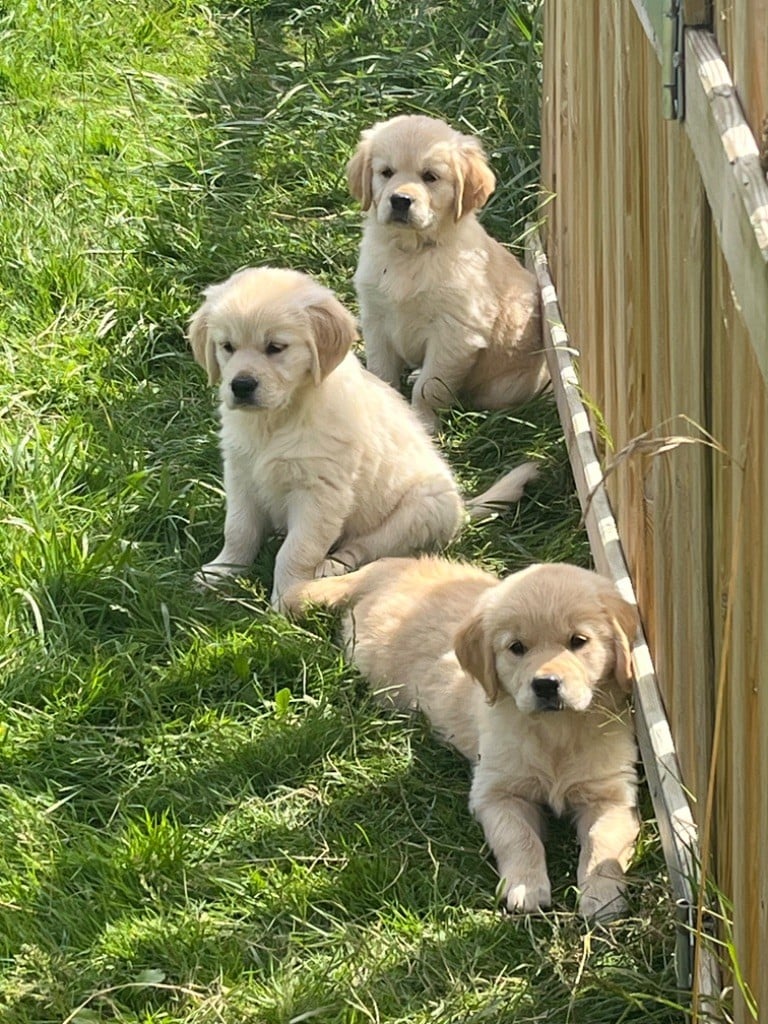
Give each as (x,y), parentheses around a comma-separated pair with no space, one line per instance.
(577,641)
(273,348)
(387,172)
(228,347)
(518,647)
(428,177)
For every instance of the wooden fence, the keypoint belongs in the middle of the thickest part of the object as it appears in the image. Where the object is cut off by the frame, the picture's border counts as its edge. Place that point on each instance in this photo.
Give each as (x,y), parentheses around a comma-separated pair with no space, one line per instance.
(657,238)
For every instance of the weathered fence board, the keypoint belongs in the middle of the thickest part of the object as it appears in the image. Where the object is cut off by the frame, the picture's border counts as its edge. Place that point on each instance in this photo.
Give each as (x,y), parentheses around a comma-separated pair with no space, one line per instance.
(654,239)
(742,33)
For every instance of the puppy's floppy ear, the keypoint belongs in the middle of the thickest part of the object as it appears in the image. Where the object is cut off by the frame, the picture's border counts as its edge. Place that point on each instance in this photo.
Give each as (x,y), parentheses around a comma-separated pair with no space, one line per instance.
(475,181)
(360,172)
(333,332)
(475,654)
(202,347)
(624,621)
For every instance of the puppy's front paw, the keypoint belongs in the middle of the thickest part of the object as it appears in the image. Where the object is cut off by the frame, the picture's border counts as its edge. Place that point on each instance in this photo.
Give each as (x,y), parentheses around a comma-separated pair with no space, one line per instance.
(216,573)
(527,895)
(602,898)
(428,418)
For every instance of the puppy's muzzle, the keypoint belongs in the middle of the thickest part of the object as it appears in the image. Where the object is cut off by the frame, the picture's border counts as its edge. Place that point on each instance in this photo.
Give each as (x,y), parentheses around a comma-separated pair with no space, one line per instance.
(244,389)
(400,205)
(546,689)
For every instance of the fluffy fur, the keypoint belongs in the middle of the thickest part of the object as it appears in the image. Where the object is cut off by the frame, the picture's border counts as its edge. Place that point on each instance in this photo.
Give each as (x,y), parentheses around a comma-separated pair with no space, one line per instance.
(435,290)
(528,678)
(314,446)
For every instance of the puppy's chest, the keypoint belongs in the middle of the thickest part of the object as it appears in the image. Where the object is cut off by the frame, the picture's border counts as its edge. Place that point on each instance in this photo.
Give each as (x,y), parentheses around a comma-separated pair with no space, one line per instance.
(563,767)
(415,295)
(272,481)
(272,469)
(413,326)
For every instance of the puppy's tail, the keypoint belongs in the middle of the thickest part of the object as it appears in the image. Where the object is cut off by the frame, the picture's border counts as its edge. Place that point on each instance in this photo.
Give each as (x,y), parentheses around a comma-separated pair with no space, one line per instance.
(506,491)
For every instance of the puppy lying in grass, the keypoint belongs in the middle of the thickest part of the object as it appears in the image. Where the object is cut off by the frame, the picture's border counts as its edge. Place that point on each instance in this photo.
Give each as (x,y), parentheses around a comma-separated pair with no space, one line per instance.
(528,678)
(435,290)
(313,445)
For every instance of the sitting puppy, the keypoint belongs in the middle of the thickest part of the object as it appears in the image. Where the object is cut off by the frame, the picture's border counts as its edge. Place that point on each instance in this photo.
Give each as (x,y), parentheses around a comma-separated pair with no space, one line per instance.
(528,678)
(435,290)
(313,445)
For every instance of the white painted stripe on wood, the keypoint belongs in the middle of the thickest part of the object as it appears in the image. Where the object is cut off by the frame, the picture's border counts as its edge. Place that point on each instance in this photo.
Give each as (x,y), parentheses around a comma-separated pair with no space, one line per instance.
(714,74)
(739,142)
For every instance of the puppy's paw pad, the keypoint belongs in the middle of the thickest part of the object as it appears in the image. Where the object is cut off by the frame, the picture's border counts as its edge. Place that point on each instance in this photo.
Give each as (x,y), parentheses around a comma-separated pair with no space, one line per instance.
(527,897)
(602,899)
(213,575)
(429,420)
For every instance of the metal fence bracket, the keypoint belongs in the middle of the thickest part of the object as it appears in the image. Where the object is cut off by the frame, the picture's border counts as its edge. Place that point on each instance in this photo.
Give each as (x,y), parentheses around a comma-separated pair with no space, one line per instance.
(672,79)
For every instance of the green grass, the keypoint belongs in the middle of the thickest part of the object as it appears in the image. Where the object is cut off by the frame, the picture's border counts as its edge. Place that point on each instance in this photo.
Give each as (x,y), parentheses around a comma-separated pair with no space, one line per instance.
(203,816)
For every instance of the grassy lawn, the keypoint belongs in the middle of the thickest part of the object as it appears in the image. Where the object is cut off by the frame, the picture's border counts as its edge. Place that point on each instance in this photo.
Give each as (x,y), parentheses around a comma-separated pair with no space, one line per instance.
(203,817)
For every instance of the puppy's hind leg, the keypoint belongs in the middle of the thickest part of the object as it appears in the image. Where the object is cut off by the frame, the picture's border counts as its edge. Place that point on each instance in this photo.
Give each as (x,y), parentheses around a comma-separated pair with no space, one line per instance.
(426,517)
(331,591)
(328,592)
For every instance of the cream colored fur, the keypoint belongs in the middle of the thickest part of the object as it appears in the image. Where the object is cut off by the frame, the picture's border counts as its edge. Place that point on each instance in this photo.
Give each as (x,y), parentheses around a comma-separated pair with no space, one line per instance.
(314,446)
(469,651)
(435,290)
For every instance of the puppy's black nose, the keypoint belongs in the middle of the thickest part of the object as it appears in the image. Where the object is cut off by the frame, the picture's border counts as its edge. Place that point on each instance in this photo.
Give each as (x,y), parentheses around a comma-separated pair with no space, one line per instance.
(547,692)
(400,203)
(243,387)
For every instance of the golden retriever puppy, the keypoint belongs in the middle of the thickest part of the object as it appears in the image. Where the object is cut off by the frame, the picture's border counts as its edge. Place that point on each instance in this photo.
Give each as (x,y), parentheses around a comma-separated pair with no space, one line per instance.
(528,678)
(314,446)
(435,290)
